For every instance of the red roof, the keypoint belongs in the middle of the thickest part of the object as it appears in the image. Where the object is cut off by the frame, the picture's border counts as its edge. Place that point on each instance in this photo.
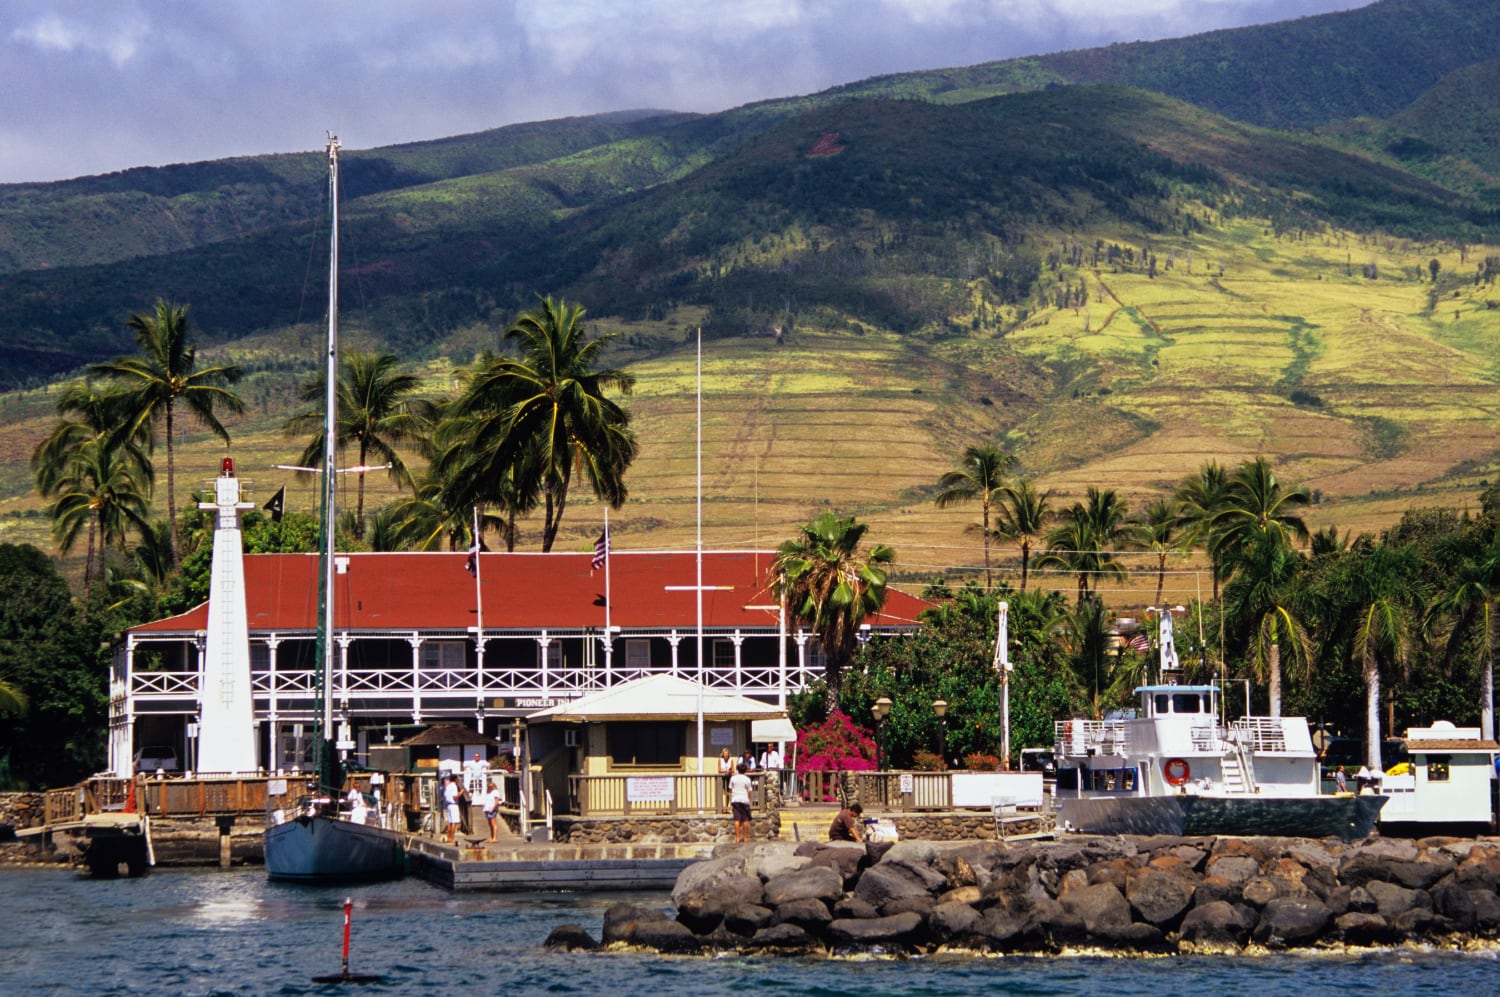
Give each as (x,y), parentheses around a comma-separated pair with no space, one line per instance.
(413,591)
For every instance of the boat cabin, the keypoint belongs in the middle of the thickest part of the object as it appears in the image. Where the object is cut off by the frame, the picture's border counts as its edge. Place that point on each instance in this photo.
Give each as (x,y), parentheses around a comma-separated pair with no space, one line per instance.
(1449,781)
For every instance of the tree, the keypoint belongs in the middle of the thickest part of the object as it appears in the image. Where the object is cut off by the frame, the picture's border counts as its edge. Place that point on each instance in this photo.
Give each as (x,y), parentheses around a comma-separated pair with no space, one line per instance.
(552,398)
(1200,498)
(102,492)
(1255,502)
(163,374)
(1081,542)
(51,654)
(980,475)
(1159,531)
(377,409)
(832,585)
(1472,601)
(1378,581)
(1259,599)
(1023,516)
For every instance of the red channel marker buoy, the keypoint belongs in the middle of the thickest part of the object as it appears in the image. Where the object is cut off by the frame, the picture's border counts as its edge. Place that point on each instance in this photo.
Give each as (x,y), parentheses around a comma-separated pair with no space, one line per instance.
(346,976)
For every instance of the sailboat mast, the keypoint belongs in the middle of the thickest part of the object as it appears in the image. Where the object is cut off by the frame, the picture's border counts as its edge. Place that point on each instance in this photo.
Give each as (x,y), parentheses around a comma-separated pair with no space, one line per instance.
(330,433)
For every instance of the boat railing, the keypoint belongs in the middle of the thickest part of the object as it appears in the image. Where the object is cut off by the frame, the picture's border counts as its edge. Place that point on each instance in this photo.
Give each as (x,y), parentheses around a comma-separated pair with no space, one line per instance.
(1264,734)
(1080,737)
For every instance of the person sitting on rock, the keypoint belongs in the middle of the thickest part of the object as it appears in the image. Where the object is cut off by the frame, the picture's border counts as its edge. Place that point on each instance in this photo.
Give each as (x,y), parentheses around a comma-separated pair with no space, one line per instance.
(848,826)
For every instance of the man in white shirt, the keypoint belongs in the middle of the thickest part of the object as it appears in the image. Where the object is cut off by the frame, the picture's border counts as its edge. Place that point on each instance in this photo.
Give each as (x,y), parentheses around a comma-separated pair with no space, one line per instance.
(739,802)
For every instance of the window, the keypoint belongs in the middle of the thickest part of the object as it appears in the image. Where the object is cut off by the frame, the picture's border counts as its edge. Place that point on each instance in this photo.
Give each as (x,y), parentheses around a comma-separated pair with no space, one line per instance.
(551,656)
(723,653)
(1162,699)
(1186,703)
(815,656)
(442,654)
(637,653)
(655,744)
(1437,768)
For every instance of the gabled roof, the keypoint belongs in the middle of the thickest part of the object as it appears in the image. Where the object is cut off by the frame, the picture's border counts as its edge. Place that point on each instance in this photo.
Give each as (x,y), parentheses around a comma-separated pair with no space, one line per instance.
(446,735)
(659,697)
(432,591)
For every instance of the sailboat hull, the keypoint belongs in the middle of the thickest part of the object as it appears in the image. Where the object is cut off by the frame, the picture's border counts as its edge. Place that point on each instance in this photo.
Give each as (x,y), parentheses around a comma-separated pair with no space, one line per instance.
(324,849)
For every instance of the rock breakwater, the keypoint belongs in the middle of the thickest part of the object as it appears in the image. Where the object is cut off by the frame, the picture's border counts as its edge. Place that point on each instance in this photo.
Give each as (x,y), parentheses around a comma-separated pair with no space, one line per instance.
(1134,895)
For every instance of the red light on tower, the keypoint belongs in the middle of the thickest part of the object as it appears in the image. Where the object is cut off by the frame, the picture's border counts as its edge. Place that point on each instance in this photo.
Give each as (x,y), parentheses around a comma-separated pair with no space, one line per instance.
(226,467)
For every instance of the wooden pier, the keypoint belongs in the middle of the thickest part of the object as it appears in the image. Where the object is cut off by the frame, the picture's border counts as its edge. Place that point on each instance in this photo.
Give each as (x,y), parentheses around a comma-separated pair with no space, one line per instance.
(526,866)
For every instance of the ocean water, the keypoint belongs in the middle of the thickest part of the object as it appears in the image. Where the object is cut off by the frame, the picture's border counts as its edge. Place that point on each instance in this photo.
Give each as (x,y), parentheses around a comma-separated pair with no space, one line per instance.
(204,932)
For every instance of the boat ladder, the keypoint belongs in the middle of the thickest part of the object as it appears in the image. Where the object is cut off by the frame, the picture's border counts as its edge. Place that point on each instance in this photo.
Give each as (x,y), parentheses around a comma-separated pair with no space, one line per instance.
(1239,777)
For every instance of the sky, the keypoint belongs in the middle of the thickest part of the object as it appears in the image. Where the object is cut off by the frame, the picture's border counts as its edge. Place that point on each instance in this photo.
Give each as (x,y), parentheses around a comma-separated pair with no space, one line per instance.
(99,85)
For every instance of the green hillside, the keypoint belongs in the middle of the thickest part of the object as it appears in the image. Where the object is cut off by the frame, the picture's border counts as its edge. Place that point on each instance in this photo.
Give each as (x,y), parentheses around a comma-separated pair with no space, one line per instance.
(1118,284)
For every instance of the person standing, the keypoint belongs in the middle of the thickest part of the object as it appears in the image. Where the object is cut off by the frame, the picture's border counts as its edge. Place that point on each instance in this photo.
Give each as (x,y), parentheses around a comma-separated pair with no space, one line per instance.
(490,800)
(771,763)
(450,807)
(726,769)
(1340,781)
(474,774)
(739,802)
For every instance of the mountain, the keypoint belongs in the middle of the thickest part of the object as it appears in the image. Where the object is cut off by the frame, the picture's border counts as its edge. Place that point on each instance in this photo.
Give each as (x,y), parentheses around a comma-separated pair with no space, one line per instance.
(1118,283)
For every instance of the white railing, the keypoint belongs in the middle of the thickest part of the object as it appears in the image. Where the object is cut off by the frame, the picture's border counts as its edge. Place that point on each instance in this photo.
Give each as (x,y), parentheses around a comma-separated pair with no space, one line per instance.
(538,682)
(1259,733)
(1077,737)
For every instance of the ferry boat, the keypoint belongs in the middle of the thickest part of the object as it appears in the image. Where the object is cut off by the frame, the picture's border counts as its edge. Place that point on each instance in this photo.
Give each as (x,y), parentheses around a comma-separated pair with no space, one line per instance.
(1174,768)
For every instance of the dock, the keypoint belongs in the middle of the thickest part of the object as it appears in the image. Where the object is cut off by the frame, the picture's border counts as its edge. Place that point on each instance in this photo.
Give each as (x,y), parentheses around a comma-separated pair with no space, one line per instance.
(525,866)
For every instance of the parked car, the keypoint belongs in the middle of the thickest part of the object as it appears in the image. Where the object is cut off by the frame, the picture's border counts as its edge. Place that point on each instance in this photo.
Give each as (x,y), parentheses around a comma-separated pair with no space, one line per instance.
(152,757)
(1039,760)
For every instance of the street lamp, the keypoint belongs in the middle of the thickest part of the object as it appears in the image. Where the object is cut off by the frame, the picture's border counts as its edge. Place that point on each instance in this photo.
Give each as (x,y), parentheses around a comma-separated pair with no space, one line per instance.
(880,711)
(940,707)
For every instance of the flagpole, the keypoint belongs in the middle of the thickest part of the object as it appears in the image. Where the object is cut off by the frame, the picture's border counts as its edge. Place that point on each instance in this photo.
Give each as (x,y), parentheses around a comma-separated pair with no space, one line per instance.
(609,632)
(699,587)
(479,637)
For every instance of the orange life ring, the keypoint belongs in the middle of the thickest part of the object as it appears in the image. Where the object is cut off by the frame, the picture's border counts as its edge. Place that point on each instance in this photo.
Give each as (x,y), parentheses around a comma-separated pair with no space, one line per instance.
(1176,771)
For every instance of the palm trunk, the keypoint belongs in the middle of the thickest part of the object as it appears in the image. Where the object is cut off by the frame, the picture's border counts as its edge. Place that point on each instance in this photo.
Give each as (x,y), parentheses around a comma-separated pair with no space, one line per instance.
(1025,562)
(1273,669)
(1372,712)
(1161,577)
(359,502)
(1487,693)
(988,581)
(172,490)
(88,562)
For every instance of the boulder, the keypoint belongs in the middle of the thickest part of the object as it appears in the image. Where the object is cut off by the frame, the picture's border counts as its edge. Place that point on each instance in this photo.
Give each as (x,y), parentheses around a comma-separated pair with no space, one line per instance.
(1419,922)
(1099,906)
(1116,872)
(855,907)
(1136,937)
(1232,868)
(816,882)
(775,864)
(1365,929)
(1215,927)
(1259,891)
(622,920)
(952,921)
(963,894)
(921,906)
(890,881)
(844,858)
(1391,899)
(783,937)
(747,919)
(1053,924)
(1454,903)
(1486,909)
(1211,889)
(896,930)
(704,877)
(1158,897)
(570,938)
(665,936)
(702,908)
(1287,921)
(807,913)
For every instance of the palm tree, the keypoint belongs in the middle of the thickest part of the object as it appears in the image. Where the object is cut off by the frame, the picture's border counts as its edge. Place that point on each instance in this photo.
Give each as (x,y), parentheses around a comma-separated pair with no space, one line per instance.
(376,410)
(1380,583)
(1259,598)
(1200,498)
(552,399)
(103,493)
(832,585)
(165,373)
(1023,516)
(1084,632)
(1159,531)
(12,699)
(1472,601)
(1255,502)
(1081,542)
(981,474)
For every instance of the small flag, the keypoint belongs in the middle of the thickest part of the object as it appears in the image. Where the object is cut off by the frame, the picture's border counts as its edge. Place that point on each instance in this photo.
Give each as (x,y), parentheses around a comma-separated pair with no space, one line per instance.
(277,505)
(601,550)
(1140,641)
(471,565)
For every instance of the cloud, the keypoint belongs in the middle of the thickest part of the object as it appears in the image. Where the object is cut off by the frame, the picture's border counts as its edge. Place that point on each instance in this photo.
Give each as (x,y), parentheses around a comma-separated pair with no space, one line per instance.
(98,85)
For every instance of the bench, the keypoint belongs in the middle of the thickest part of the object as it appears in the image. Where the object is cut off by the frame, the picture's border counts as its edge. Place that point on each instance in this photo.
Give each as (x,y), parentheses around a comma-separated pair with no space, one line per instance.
(1008,810)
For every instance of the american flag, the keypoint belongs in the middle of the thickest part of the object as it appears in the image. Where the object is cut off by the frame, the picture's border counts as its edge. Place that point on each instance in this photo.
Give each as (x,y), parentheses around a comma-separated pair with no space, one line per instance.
(601,550)
(1141,642)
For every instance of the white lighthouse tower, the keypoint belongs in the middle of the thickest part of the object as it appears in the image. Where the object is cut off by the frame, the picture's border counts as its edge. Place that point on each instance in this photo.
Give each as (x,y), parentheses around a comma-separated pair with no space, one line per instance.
(226,728)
